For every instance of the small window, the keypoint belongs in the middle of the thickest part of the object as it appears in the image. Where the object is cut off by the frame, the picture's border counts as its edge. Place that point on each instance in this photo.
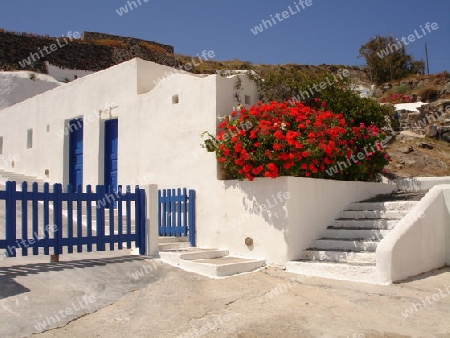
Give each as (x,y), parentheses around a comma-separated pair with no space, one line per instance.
(247,99)
(48,128)
(29,138)
(175,99)
(1,145)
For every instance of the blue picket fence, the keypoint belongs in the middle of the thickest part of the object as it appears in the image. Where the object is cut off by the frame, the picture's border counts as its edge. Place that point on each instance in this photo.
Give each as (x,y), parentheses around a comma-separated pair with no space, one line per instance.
(176,213)
(74,224)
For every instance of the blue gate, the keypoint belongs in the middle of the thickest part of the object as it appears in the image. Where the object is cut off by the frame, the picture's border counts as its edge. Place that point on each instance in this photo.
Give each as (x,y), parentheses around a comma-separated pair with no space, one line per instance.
(74,223)
(176,213)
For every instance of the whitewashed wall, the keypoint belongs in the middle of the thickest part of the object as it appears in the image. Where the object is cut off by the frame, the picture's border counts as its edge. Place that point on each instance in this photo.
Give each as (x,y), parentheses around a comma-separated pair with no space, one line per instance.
(159,142)
(156,137)
(84,97)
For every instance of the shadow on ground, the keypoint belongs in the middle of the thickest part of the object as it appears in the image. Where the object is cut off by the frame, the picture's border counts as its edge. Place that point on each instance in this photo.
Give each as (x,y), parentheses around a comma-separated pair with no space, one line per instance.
(423,276)
(12,288)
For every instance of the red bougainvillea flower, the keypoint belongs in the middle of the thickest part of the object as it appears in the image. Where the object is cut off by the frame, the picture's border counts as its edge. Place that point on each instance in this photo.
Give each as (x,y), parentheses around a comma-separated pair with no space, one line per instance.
(277,146)
(291,139)
(272,167)
(257,170)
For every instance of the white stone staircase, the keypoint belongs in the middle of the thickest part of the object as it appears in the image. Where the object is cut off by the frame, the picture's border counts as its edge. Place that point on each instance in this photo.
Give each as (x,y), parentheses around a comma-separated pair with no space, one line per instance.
(346,250)
(213,263)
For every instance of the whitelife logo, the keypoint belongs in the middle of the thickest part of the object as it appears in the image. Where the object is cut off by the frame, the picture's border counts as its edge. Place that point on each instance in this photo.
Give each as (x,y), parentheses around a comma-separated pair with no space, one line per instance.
(411,38)
(266,24)
(34,57)
(61,314)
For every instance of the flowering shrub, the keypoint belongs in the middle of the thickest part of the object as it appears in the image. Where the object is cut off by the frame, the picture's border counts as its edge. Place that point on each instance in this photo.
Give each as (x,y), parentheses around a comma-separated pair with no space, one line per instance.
(398,98)
(291,139)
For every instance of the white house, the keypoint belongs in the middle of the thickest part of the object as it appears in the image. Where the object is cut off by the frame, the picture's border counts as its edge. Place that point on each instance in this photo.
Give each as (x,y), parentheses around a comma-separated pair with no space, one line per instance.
(142,127)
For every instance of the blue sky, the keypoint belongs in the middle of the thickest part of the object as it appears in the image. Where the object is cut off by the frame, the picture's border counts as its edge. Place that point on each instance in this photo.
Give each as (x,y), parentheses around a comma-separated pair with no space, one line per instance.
(328,31)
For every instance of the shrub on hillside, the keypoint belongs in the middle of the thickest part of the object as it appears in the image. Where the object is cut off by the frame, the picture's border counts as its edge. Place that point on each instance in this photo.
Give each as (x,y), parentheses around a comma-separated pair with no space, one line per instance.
(283,85)
(355,109)
(402,89)
(429,94)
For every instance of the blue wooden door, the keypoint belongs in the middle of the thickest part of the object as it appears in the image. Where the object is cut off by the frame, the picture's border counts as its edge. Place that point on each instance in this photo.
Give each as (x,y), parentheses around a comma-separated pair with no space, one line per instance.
(76,153)
(111,154)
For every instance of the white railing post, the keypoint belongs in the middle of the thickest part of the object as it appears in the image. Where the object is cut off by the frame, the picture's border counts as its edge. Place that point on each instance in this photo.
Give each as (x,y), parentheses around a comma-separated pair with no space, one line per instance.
(151,224)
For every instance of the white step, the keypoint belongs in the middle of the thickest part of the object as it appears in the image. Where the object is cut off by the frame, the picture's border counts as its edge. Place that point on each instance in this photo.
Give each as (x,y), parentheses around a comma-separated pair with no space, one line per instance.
(354,233)
(222,267)
(347,245)
(364,274)
(373,214)
(354,258)
(174,257)
(364,224)
(163,239)
(173,246)
(394,205)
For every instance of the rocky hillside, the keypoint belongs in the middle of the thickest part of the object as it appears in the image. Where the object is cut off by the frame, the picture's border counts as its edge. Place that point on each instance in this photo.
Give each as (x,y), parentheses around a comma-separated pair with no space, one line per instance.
(92,52)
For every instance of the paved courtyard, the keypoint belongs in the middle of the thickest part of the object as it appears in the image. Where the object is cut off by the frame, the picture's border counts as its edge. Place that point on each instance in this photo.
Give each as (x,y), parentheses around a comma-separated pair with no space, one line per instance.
(115,295)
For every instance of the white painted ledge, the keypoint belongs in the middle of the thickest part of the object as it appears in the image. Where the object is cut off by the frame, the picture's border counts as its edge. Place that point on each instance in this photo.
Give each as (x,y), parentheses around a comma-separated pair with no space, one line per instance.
(420,183)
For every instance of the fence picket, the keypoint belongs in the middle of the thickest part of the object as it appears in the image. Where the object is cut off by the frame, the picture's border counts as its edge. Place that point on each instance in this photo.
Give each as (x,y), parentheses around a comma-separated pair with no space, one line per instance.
(185,210)
(89,217)
(100,219)
(24,206)
(43,240)
(128,216)
(70,199)
(57,220)
(111,218)
(10,219)
(120,218)
(192,228)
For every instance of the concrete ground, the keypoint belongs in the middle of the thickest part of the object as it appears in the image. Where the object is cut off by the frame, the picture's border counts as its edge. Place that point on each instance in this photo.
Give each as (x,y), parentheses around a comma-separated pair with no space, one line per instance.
(115,295)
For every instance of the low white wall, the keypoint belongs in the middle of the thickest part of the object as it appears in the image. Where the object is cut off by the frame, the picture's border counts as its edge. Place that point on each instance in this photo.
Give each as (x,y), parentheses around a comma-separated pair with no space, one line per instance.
(294,212)
(420,241)
(61,74)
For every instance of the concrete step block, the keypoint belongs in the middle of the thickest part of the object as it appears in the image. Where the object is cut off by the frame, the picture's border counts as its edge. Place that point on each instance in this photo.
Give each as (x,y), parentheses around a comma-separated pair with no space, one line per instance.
(354,245)
(394,205)
(354,258)
(364,224)
(222,267)
(367,234)
(372,214)
(336,271)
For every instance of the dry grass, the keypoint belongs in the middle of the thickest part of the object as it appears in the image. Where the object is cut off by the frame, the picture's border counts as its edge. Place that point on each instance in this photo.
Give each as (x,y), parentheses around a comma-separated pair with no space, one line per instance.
(152,48)
(109,43)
